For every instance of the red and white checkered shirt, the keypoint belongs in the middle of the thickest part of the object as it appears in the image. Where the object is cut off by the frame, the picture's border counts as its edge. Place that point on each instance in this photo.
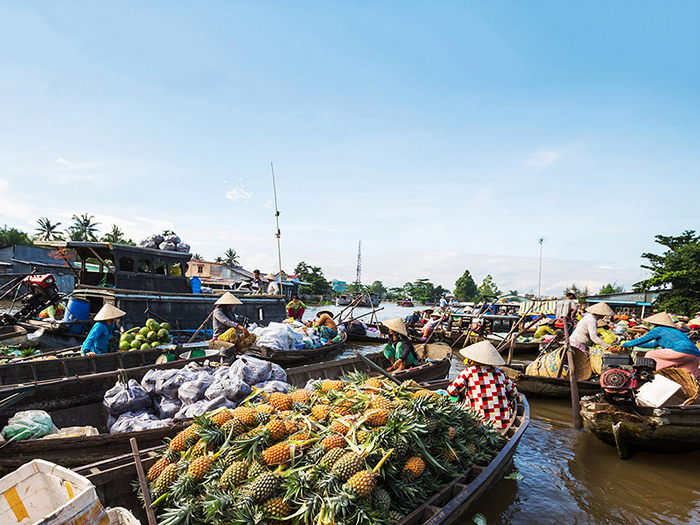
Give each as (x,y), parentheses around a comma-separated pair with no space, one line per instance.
(490,392)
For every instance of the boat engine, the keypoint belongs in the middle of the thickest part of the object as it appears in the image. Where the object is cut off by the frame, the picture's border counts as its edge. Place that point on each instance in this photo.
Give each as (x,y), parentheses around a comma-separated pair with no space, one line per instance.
(621,376)
(41,292)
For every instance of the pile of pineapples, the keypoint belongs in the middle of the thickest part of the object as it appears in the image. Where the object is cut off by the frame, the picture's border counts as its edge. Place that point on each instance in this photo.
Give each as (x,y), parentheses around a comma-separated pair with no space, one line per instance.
(356,451)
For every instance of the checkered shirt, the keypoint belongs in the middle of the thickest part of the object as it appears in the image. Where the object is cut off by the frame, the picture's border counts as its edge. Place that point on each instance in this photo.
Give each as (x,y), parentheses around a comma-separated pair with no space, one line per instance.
(489,391)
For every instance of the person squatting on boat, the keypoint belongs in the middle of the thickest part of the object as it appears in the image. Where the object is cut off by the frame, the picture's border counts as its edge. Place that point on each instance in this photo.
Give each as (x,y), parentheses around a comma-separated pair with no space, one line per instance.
(544,328)
(399,350)
(102,332)
(586,332)
(295,308)
(325,325)
(484,386)
(431,325)
(674,347)
(229,327)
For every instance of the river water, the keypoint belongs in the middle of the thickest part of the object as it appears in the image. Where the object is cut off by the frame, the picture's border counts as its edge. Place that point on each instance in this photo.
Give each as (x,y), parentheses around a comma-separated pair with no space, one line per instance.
(568,476)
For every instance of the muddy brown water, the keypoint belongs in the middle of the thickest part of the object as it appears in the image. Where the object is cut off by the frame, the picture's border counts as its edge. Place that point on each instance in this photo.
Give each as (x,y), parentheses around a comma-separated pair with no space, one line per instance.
(569,477)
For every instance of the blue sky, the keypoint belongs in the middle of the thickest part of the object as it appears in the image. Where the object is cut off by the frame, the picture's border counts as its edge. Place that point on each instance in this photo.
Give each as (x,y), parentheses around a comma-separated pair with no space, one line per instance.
(444,135)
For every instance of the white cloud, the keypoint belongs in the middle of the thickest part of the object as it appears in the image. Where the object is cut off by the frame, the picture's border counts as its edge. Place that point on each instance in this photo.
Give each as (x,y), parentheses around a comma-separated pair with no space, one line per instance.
(267,205)
(63,162)
(606,267)
(239,195)
(543,159)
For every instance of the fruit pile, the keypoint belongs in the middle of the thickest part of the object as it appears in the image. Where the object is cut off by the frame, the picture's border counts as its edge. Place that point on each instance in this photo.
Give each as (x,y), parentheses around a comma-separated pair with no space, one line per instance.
(360,451)
(143,338)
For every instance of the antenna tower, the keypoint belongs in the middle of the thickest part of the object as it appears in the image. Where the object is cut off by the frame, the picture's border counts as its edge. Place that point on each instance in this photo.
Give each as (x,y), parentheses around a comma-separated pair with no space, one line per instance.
(358,277)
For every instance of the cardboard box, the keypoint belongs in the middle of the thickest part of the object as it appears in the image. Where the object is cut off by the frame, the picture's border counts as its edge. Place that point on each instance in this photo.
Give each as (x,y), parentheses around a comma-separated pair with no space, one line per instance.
(661,392)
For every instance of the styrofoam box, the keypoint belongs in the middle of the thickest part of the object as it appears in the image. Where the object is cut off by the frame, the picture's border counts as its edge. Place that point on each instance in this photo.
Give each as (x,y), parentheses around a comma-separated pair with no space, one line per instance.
(660,392)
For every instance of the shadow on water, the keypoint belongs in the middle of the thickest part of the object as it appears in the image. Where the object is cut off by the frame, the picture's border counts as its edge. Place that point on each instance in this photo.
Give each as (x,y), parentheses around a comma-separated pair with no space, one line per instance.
(569,477)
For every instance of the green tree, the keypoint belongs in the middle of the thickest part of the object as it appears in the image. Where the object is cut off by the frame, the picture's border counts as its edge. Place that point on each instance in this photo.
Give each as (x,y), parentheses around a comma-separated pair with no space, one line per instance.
(580,293)
(198,257)
(10,236)
(83,228)
(465,288)
(115,236)
(489,288)
(47,230)
(378,288)
(219,260)
(611,288)
(676,271)
(318,285)
(422,290)
(231,258)
(355,288)
(395,293)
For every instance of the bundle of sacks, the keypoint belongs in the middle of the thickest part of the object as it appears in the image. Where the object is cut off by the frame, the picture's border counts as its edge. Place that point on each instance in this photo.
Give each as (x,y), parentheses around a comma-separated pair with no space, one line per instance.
(168,243)
(165,396)
(290,335)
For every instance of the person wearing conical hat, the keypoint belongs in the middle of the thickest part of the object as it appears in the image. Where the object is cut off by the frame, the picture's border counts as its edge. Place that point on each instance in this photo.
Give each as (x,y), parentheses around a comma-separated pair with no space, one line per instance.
(586,332)
(675,349)
(485,387)
(106,322)
(228,326)
(399,349)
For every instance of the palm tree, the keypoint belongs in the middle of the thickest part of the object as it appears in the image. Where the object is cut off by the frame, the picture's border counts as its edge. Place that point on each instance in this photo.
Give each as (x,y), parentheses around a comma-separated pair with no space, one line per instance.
(231,258)
(10,236)
(116,236)
(198,257)
(218,260)
(83,228)
(48,231)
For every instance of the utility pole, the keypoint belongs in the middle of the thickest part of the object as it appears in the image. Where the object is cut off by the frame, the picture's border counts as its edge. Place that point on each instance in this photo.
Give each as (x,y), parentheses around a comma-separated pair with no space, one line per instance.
(539,285)
(358,276)
(278,234)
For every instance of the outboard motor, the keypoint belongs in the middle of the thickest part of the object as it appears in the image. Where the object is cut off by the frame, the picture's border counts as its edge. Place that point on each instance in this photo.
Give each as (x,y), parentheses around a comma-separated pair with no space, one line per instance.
(621,376)
(41,292)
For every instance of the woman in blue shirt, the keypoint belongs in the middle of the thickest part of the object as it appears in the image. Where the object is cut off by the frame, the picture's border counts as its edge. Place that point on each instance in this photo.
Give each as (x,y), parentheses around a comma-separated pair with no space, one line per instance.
(106,320)
(674,347)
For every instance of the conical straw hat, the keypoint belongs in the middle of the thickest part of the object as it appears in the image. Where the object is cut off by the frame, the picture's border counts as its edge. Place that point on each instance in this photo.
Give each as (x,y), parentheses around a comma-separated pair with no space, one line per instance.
(271,277)
(661,319)
(228,298)
(397,325)
(600,309)
(694,322)
(483,353)
(109,312)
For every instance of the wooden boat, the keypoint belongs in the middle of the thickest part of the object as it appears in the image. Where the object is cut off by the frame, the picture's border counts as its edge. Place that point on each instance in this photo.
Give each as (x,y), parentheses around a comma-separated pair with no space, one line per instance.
(550,387)
(71,451)
(632,429)
(13,336)
(405,304)
(113,478)
(292,357)
(520,347)
(358,299)
(356,338)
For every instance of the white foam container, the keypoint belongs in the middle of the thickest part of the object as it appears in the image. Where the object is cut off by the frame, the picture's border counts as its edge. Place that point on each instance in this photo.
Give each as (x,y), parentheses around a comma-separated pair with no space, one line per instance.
(660,392)
(40,492)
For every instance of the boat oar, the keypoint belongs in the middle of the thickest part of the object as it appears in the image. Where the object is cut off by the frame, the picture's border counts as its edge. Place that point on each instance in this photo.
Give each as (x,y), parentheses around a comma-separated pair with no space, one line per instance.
(377,368)
(201,326)
(363,315)
(143,482)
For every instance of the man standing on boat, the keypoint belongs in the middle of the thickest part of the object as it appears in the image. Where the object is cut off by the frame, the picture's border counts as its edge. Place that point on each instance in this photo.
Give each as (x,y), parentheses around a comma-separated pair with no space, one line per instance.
(106,322)
(258,285)
(566,309)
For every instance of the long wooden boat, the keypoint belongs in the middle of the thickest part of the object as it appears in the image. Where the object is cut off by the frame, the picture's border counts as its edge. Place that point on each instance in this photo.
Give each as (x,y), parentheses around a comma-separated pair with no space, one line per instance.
(632,429)
(550,387)
(71,451)
(294,357)
(356,338)
(520,347)
(113,478)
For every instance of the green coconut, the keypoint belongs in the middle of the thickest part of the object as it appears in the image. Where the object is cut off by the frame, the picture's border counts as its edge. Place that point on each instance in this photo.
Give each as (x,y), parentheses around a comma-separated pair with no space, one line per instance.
(163,335)
(124,346)
(136,344)
(165,326)
(152,336)
(144,331)
(145,346)
(128,338)
(152,325)
(140,338)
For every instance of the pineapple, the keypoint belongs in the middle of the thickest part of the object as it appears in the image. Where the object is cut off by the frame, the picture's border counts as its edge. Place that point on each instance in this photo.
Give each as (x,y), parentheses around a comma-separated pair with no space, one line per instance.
(339,426)
(166,479)
(380,402)
(362,483)
(451,433)
(246,415)
(157,469)
(199,467)
(362,436)
(301,396)
(320,412)
(234,426)
(381,498)
(234,475)
(277,454)
(266,408)
(329,385)
(262,417)
(448,455)
(373,383)
(413,468)
(376,417)
(179,442)
(432,424)
(171,455)
(222,417)
(349,464)
(302,435)
(471,449)
(330,458)
(256,468)
(333,441)
(281,401)
(277,429)
(198,450)
(291,426)
(395,516)
(276,508)
(343,408)
(262,487)
(423,392)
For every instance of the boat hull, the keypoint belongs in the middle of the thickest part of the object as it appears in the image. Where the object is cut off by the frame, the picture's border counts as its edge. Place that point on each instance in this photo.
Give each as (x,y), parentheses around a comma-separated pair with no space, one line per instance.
(295,357)
(549,387)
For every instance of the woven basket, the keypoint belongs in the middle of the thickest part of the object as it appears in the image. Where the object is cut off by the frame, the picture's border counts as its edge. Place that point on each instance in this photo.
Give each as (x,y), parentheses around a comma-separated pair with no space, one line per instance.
(547,365)
(685,379)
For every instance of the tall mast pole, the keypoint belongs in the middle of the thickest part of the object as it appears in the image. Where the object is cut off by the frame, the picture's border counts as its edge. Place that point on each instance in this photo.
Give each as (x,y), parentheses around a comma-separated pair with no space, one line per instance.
(539,285)
(278,234)
(358,275)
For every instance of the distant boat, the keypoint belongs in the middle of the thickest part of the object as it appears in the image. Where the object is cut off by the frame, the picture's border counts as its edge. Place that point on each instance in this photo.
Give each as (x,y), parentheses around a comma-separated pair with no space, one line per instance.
(358,299)
(405,303)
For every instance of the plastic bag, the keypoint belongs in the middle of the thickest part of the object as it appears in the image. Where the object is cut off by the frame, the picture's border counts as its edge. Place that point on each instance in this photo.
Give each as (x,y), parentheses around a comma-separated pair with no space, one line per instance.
(250,370)
(273,386)
(232,389)
(169,381)
(192,391)
(28,424)
(277,373)
(148,383)
(168,246)
(136,421)
(73,432)
(129,397)
(202,407)
(168,407)
(173,239)
(183,247)
(275,336)
(221,373)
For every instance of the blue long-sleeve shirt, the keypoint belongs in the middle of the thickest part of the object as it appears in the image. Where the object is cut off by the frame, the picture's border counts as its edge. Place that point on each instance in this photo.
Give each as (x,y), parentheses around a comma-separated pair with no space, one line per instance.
(98,339)
(665,337)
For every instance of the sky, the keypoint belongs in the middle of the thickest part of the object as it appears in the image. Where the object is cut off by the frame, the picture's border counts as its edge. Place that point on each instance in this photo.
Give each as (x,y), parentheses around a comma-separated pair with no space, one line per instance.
(444,135)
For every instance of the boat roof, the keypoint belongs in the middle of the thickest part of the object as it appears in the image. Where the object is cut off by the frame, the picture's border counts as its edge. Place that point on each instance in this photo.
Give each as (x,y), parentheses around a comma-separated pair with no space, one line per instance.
(122,249)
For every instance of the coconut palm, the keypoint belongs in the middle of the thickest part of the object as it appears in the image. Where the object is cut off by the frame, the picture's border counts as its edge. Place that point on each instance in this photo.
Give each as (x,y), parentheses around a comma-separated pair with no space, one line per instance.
(198,257)
(10,236)
(116,236)
(219,260)
(48,231)
(83,228)
(231,258)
